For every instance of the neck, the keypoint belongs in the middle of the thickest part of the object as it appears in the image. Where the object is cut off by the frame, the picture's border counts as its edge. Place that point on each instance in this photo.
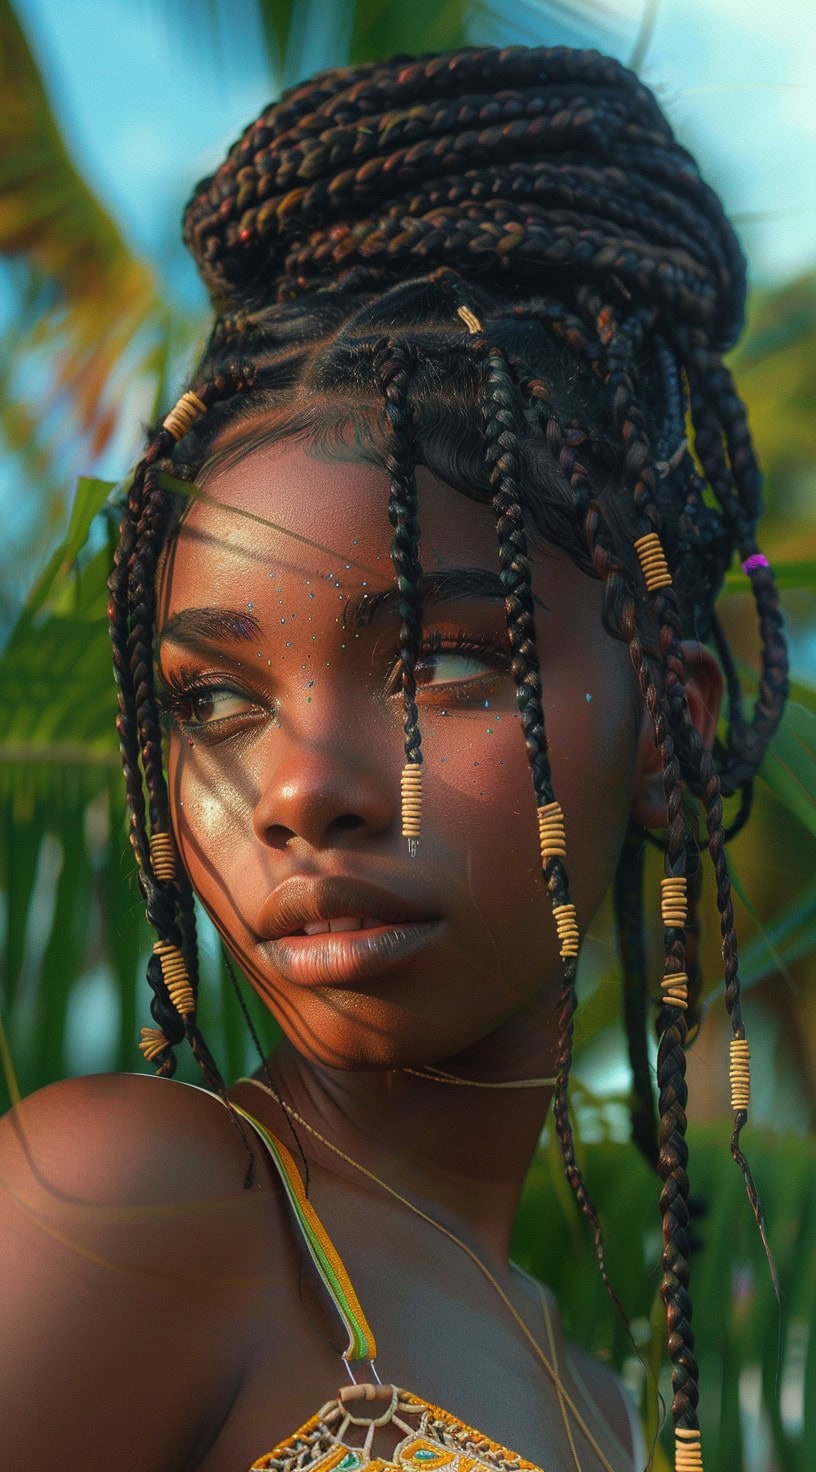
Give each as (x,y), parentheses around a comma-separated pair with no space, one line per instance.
(459,1153)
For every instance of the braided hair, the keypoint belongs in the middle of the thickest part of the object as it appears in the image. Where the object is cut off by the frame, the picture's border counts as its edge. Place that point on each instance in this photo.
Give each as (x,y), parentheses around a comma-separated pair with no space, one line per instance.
(502,265)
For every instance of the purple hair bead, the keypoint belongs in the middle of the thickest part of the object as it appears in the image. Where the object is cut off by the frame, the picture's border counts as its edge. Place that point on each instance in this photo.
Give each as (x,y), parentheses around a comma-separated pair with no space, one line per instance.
(757,559)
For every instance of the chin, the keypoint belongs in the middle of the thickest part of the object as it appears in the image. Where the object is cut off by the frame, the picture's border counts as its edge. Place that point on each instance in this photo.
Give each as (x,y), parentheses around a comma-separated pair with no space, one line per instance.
(360,1034)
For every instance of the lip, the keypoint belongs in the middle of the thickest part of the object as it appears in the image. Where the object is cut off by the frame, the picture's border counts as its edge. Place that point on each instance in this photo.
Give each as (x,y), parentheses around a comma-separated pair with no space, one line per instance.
(303,898)
(348,957)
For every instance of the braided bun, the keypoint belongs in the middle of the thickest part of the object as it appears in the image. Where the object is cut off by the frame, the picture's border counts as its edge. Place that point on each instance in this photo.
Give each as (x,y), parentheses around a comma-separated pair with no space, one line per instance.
(551,163)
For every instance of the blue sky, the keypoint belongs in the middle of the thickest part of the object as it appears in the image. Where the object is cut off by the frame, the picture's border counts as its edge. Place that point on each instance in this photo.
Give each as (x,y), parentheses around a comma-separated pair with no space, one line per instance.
(147,109)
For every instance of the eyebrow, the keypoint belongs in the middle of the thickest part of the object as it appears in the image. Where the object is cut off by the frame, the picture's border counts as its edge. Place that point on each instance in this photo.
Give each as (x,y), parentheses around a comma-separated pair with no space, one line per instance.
(210,625)
(192,626)
(448,585)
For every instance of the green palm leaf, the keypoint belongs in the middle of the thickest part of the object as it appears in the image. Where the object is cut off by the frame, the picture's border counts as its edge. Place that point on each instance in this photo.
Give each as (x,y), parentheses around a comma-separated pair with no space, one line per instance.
(52,220)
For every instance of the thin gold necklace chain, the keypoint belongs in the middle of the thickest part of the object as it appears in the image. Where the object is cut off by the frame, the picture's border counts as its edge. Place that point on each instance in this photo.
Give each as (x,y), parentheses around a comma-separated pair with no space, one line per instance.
(439,1076)
(561,1391)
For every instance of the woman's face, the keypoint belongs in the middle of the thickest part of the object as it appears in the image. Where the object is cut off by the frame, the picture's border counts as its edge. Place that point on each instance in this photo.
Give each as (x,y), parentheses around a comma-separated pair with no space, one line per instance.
(287,747)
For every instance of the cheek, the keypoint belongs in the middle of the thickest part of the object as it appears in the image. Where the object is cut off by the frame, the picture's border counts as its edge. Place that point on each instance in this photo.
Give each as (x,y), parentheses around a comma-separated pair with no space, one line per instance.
(212,819)
(592,752)
(480,782)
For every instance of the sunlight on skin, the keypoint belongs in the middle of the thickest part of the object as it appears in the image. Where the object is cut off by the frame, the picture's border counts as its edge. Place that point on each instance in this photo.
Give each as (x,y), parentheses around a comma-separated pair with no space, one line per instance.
(312,734)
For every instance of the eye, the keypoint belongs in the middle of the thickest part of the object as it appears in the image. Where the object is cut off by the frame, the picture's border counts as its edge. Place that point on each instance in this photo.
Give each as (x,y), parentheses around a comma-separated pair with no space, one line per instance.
(216,703)
(204,705)
(458,660)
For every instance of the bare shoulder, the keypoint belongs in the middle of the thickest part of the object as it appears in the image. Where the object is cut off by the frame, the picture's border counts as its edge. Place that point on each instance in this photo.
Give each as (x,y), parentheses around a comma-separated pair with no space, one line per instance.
(611,1398)
(124,1226)
(121,1138)
(594,1382)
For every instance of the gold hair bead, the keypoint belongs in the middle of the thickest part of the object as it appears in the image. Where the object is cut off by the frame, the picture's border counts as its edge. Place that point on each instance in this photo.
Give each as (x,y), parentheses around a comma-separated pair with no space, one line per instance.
(176,978)
(673,902)
(740,1074)
(688,1451)
(183,415)
(162,856)
(153,1042)
(653,562)
(411,785)
(470,319)
(675,990)
(566,923)
(552,836)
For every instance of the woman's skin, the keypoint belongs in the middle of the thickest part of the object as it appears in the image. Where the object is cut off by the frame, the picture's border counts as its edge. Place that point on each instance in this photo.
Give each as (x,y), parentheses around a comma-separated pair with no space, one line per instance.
(155,1303)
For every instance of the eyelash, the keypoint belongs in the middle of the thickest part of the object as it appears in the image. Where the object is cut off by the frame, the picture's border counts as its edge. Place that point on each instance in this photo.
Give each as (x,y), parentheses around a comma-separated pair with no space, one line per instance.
(180,689)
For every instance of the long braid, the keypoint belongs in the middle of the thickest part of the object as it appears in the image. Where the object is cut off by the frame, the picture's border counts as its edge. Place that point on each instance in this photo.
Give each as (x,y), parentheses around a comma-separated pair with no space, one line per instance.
(168,900)
(628,902)
(501,409)
(392,365)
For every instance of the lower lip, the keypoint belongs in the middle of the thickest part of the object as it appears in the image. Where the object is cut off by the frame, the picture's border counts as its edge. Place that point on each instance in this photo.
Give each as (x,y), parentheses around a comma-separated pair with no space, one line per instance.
(346,957)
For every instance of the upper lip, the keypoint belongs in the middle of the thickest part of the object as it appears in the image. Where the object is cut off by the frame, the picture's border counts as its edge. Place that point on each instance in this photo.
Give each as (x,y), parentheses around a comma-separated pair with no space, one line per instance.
(301,899)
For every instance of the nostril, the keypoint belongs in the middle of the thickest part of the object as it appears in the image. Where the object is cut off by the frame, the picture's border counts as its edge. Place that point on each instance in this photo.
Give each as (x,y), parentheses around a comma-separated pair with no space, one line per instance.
(347,822)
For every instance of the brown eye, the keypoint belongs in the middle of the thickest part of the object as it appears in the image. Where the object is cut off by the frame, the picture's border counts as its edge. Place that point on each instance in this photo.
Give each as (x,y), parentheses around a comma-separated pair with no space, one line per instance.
(216,704)
(460,660)
(194,703)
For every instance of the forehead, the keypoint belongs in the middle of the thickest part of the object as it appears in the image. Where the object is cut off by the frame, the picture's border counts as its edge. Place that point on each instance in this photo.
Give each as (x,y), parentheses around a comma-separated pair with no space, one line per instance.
(280,507)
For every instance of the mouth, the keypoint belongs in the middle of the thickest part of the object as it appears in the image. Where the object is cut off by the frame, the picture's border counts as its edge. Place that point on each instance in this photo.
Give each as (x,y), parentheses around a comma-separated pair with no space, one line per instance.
(341,924)
(349,950)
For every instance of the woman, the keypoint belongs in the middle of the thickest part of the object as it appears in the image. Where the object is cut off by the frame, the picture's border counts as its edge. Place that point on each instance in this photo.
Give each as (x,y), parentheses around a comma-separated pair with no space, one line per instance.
(485,293)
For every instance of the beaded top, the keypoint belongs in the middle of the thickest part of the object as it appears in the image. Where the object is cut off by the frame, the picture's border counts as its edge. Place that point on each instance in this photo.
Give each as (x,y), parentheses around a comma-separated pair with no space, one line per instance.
(376,1428)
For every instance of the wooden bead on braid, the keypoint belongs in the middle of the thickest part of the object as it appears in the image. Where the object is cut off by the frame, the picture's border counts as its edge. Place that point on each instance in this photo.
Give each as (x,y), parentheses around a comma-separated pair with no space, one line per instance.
(552,836)
(411,785)
(688,1451)
(740,1074)
(653,562)
(673,902)
(674,989)
(470,319)
(183,415)
(566,923)
(162,856)
(153,1042)
(176,977)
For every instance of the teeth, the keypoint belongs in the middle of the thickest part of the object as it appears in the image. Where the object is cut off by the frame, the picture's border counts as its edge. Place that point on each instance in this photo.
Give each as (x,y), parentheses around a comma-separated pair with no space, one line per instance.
(343,922)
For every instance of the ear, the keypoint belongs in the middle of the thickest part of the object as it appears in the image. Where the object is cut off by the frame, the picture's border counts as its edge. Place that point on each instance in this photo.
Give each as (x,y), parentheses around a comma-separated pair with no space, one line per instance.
(704,691)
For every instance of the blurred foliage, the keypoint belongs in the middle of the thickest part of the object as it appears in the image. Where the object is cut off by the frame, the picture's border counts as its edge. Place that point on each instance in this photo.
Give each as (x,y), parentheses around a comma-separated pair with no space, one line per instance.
(734,1306)
(87,295)
(75,941)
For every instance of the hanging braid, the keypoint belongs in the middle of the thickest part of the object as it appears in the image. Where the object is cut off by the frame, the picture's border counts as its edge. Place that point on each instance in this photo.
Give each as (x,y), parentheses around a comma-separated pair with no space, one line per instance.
(501,265)
(393,363)
(628,902)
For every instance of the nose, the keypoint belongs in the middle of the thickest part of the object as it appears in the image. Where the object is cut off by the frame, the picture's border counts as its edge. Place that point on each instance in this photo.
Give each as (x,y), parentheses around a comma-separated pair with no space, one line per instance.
(316,796)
